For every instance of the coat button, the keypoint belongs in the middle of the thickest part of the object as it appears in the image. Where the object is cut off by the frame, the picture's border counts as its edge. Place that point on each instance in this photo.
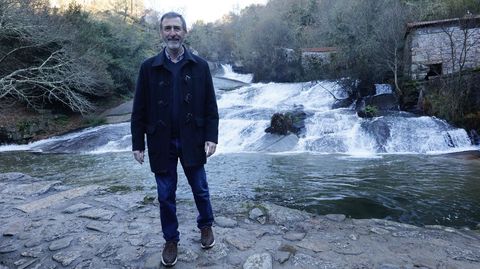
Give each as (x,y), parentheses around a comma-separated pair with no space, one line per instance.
(188,97)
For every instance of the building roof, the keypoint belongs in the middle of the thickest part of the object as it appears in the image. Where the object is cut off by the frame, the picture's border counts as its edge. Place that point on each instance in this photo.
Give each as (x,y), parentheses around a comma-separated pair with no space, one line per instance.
(324,49)
(422,24)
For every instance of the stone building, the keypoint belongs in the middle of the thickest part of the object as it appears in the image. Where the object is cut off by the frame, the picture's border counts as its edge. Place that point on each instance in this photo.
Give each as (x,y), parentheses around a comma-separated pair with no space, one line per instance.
(313,58)
(442,47)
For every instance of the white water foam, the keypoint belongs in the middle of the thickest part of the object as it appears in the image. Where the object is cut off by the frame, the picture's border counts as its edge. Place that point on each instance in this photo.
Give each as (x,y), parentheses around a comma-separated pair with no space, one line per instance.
(228,73)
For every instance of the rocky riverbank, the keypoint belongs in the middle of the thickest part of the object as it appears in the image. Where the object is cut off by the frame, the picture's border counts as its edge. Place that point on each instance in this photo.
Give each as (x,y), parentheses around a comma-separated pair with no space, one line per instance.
(45,224)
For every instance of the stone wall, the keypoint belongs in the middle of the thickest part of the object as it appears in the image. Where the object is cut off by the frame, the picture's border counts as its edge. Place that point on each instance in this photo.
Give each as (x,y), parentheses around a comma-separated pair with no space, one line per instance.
(434,45)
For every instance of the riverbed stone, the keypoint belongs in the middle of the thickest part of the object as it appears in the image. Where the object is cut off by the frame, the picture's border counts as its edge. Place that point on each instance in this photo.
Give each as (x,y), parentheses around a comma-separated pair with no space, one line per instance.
(336,217)
(98,214)
(225,222)
(66,257)
(313,245)
(294,236)
(379,231)
(283,216)
(13,229)
(186,254)
(30,189)
(76,208)
(60,243)
(33,252)
(7,248)
(282,256)
(99,227)
(294,239)
(259,261)
(257,215)
(56,199)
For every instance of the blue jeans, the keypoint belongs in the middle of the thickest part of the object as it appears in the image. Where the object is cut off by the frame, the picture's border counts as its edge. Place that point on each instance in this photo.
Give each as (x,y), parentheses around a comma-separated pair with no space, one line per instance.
(167,186)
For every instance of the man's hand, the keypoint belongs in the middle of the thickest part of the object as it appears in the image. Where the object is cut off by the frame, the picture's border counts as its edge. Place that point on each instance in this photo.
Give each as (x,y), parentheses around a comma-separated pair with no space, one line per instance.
(139,155)
(210,148)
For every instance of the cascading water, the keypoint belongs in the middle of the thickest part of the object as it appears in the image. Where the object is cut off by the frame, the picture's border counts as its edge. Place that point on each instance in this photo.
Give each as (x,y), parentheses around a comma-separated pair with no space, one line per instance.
(245,114)
(228,73)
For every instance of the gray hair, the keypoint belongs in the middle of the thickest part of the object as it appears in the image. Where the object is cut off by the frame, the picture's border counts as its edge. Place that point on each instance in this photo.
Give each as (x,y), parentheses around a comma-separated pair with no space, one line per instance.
(171,15)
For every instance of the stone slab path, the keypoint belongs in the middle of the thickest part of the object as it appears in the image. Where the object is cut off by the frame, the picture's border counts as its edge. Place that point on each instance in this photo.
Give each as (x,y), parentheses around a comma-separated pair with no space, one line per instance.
(57,226)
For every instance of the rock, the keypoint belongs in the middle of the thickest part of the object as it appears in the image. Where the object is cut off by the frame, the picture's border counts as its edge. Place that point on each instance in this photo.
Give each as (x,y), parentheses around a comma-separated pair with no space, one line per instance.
(226,222)
(33,243)
(294,236)
(259,261)
(379,231)
(75,208)
(66,258)
(60,243)
(137,241)
(282,256)
(186,255)
(8,248)
(241,239)
(217,252)
(258,215)
(122,109)
(386,101)
(99,227)
(16,177)
(32,253)
(98,214)
(27,264)
(13,229)
(56,198)
(107,250)
(336,217)
(354,237)
(126,254)
(342,103)
(379,129)
(313,245)
(274,143)
(306,261)
(283,216)
(153,261)
(289,122)
(389,266)
(30,189)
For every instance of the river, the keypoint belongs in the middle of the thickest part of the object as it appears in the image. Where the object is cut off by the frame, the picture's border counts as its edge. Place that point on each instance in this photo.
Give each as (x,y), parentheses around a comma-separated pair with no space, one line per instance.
(341,164)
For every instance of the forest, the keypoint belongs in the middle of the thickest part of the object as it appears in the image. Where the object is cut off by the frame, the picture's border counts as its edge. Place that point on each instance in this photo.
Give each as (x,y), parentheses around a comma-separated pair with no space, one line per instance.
(73,57)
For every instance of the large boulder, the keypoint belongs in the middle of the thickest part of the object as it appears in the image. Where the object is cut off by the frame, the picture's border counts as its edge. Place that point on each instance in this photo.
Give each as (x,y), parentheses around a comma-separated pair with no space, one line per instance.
(288,122)
(376,105)
(342,103)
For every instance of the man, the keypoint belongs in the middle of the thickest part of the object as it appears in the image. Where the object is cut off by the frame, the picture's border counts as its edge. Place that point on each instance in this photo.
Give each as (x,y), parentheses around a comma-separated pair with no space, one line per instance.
(175,107)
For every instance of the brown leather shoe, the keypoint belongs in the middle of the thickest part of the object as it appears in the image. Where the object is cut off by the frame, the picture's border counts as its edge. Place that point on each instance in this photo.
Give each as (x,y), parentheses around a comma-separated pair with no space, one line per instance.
(207,239)
(169,254)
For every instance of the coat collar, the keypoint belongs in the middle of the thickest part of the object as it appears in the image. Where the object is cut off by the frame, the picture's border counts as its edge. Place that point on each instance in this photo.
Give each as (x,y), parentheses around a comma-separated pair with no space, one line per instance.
(160,58)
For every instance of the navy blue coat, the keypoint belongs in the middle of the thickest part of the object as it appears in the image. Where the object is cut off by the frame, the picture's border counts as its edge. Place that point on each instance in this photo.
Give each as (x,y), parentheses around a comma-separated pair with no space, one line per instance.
(152,107)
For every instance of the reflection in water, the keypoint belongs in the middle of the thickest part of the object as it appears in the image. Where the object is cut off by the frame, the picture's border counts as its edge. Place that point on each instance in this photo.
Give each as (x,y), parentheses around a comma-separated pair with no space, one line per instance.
(417,189)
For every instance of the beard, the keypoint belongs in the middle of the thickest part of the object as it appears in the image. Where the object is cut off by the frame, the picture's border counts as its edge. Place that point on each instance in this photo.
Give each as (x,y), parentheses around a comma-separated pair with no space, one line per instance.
(174,44)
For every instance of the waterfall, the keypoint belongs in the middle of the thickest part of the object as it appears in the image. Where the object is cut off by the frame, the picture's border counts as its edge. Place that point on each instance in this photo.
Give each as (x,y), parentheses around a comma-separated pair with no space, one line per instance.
(245,114)
(228,73)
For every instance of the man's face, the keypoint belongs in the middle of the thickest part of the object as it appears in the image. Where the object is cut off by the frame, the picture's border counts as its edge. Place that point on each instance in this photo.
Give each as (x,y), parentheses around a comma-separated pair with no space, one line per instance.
(173,33)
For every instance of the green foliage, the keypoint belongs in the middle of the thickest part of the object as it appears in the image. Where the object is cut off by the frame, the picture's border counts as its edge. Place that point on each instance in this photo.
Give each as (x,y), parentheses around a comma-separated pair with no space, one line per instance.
(371,111)
(61,119)
(94,121)
(68,59)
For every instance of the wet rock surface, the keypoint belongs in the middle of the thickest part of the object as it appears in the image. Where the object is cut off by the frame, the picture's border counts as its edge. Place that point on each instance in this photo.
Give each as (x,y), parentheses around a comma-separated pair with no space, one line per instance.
(99,229)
